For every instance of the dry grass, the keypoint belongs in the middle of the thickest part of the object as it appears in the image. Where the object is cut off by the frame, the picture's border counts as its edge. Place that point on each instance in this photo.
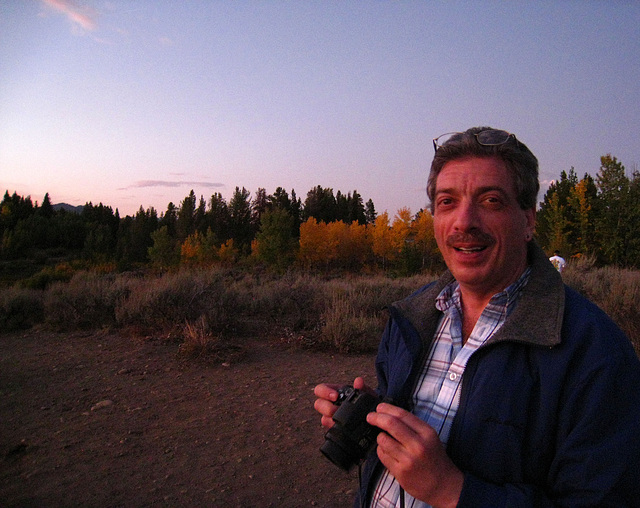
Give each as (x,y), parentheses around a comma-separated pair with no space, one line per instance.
(200,343)
(203,306)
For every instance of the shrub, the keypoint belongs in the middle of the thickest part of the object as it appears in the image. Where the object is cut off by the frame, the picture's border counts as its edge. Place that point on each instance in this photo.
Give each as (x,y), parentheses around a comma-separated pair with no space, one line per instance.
(20,308)
(202,344)
(293,301)
(162,303)
(347,330)
(62,272)
(87,301)
(354,320)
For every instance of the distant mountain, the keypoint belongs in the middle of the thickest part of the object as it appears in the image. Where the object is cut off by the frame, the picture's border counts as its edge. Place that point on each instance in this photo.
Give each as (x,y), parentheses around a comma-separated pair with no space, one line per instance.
(68,208)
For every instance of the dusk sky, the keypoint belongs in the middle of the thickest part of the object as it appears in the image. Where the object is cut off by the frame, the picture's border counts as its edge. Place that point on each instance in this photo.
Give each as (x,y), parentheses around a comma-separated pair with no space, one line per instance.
(135,103)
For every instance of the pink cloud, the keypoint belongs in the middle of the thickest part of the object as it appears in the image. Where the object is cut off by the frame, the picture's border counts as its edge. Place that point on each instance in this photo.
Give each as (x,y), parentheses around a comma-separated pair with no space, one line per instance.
(165,183)
(81,16)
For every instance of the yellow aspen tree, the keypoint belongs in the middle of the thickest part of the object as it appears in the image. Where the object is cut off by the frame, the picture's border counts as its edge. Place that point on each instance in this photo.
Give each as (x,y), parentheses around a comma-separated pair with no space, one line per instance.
(401,229)
(228,253)
(358,246)
(579,201)
(336,242)
(425,239)
(314,243)
(191,249)
(382,244)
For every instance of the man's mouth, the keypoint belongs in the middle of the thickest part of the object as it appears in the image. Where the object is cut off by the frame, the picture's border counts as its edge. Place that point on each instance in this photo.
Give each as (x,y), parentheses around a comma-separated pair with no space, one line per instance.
(470,249)
(470,243)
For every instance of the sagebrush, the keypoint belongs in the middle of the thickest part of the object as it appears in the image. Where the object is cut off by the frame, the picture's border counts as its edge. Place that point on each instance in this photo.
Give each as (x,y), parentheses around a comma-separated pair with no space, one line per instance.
(207,307)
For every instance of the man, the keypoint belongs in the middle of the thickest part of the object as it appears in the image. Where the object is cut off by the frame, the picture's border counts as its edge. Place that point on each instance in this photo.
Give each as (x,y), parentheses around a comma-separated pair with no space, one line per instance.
(558,261)
(509,388)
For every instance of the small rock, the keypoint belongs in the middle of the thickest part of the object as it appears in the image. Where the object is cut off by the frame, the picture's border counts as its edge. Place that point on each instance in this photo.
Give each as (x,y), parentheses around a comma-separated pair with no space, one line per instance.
(102,404)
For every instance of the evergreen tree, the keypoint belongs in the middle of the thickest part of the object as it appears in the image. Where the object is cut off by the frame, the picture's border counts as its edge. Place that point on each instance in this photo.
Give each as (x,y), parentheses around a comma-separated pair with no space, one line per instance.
(296,213)
(275,244)
(370,212)
(612,226)
(218,218)
(170,219)
(134,237)
(164,253)
(101,226)
(242,231)
(186,219)
(342,208)
(320,204)
(46,210)
(356,208)
(200,223)
(259,206)
(556,216)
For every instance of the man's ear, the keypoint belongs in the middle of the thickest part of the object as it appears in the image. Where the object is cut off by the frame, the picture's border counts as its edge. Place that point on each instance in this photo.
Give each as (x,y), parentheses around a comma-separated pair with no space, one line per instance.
(530,215)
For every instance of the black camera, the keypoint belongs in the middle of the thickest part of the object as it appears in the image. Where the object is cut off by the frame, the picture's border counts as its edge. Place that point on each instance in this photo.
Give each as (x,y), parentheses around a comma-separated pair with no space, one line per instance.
(351,438)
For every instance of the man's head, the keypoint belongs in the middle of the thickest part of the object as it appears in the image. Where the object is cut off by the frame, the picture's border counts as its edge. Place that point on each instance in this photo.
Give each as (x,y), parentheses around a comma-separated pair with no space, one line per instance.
(489,142)
(483,200)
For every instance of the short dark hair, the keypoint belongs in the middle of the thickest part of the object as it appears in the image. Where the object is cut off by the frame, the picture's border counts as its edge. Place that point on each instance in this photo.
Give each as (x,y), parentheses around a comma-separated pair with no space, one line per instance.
(515,154)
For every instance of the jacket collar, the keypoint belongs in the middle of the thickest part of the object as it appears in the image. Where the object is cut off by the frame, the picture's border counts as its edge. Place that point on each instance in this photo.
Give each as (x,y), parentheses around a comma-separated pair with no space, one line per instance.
(536,319)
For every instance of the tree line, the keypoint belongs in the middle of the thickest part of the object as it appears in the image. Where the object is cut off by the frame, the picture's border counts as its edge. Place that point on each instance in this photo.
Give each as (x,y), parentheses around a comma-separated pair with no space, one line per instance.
(327,231)
(597,217)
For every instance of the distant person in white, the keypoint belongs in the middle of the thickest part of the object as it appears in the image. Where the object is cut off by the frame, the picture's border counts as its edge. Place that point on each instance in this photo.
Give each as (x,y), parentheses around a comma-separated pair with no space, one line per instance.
(558,261)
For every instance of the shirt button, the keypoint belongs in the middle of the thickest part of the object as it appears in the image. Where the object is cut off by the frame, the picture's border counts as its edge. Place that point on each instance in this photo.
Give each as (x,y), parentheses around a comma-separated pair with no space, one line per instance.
(453,376)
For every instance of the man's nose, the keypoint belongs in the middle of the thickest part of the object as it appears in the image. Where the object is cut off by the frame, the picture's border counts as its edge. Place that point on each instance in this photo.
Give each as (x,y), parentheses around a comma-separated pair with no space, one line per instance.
(466,216)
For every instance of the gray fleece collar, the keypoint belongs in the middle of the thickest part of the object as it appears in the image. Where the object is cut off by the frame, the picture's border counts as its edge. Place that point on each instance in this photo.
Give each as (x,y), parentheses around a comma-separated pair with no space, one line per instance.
(536,319)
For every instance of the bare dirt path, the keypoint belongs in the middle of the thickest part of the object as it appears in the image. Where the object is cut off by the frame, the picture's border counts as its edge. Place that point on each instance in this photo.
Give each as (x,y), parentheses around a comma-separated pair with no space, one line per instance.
(107,421)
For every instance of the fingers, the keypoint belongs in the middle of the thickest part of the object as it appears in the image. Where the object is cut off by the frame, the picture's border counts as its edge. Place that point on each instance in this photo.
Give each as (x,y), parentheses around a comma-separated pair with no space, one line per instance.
(325,407)
(326,391)
(403,427)
(394,419)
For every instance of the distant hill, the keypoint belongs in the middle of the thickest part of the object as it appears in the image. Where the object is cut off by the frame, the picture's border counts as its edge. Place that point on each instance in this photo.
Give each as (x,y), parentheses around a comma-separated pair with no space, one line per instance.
(68,208)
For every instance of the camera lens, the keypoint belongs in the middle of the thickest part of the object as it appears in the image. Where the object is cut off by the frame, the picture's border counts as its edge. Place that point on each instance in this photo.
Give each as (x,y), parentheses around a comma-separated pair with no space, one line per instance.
(338,455)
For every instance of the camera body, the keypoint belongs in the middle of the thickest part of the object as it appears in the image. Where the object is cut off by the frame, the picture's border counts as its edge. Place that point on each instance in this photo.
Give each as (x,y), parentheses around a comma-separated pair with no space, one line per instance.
(351,438)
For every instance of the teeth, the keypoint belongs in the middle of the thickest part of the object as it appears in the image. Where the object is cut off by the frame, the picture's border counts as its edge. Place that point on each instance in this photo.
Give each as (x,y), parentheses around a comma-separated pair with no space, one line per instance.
(472,249)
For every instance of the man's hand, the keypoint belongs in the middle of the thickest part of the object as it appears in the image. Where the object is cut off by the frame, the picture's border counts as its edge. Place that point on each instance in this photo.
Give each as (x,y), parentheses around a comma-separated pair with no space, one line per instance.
(411,450)
(327,394)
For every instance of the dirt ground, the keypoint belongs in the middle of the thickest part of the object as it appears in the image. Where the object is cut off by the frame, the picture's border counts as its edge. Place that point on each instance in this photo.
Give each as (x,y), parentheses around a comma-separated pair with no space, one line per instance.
(106,420)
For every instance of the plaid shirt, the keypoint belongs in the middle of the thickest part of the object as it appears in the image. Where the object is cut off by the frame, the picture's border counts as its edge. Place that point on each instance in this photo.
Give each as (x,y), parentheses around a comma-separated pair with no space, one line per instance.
(437,393)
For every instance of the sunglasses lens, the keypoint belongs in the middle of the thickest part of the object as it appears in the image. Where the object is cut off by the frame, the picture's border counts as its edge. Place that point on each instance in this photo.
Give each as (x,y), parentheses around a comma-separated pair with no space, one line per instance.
(493,137)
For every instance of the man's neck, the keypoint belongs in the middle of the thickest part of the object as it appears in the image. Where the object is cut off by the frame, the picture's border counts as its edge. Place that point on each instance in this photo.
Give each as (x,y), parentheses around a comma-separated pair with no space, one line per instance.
(472,307)
(473,304)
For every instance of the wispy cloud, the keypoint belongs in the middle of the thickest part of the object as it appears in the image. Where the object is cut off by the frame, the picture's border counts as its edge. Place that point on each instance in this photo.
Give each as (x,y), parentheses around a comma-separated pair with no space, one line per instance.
(81,16)
(166,183)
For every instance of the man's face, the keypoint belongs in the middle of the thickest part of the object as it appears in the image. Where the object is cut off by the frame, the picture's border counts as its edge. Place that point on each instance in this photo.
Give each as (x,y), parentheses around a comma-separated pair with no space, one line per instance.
(481,230)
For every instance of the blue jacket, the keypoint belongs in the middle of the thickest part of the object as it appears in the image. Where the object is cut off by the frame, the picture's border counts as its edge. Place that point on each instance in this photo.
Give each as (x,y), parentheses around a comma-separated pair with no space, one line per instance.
(549,412)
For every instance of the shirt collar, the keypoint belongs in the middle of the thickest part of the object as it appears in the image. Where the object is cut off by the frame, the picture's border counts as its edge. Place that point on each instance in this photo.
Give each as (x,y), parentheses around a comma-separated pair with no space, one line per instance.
(450,294)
